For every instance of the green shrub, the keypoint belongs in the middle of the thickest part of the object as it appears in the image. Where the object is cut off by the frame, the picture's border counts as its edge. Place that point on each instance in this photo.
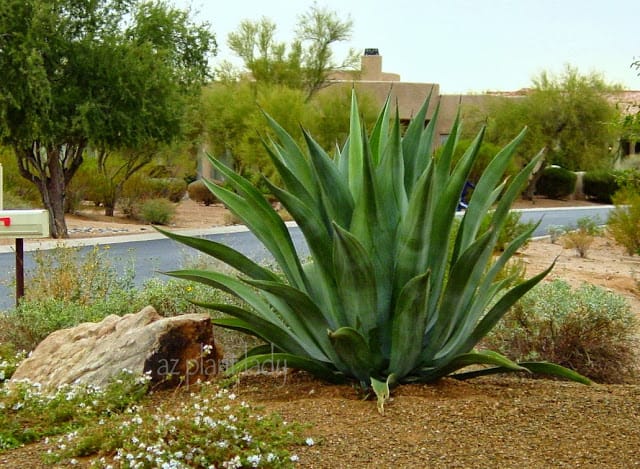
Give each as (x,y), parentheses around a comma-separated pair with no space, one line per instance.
(629,180)
(199,192)
(624,222)
(587,329)
(556,183)
(156,211)
(383,298)
(600,185)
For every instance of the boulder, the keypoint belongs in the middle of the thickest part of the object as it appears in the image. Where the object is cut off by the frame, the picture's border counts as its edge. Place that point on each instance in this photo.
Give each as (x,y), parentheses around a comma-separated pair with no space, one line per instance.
(173,350)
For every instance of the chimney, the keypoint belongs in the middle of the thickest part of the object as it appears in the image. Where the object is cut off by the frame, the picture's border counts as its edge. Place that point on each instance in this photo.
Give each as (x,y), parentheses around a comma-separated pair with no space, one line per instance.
(371,65)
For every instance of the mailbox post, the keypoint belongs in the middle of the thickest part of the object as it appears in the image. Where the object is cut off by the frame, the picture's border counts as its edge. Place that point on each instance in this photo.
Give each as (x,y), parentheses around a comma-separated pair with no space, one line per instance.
(18,225)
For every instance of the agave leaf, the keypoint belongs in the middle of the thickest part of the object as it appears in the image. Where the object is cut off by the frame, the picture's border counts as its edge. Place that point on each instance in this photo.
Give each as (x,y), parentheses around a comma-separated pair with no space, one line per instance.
(392,197)
(411,145)
(314,228)
(308,194)
(382,391)
(223,253)
(230,285)
(354,352)
(305,315)
(354,272)
(483,195)
(500,308)
(425,148)
(263,221)
(555,370)
(295,159)
(484,357)
(285,361)
(335,194)
(380,132)
(408,325)
(534,367)
(267,331)
(462,284)
(356,149)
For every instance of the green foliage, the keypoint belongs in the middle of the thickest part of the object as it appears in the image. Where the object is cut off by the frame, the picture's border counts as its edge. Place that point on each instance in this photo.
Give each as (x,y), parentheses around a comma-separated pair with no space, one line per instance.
(198,192)
(624,222)
(587,329)
(235,125)
(106,74)
(383,299)
(628,181)
(556,183)
(600,185)
(30,414)
(17,194)
(581,236)
(309,60)
(570,115)
(156,211)
(172,189)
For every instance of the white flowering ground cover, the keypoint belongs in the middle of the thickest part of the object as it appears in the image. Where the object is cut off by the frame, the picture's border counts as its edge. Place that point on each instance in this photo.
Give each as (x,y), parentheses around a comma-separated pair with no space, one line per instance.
(123,427)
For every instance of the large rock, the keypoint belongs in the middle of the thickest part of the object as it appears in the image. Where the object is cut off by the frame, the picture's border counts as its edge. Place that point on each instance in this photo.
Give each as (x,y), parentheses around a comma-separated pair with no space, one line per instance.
(173,350)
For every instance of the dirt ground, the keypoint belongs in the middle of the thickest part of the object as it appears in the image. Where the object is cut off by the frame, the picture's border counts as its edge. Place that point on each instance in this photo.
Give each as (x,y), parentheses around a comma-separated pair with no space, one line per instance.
(497,422)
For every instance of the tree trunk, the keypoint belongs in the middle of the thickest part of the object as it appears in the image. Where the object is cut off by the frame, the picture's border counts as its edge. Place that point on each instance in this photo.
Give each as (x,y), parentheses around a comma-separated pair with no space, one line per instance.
(51,169)
(54,187)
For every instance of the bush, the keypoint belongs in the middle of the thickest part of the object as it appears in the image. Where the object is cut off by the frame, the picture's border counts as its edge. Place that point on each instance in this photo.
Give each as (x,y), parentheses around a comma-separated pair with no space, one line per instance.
(600,185)
(156,211)
(556,183)
(624,223)
(172,189)
(581,236)
(67,286)
(200,193)
(587,329)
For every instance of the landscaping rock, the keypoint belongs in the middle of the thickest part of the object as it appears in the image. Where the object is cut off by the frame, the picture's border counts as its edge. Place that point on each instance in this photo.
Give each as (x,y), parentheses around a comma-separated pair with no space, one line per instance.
(174,350)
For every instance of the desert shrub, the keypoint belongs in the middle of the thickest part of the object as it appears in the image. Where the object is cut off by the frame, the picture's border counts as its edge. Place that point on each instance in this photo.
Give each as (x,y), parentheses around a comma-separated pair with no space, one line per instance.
(172,189)
(624,222)
(556,183)
(67,286)
(199,192)
(581,236)
(587,329)
(156,211)
(600,185)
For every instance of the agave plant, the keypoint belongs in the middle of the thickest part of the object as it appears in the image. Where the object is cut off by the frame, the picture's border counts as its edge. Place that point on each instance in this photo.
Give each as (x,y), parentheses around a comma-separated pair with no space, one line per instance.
(391,292)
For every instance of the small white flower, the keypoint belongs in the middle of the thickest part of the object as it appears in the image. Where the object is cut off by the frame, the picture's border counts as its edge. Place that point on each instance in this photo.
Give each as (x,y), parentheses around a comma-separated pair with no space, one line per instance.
(309,441)
(294,458)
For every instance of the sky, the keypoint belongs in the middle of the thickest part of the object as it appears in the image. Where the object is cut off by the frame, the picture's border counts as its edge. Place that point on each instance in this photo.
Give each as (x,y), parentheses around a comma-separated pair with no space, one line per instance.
(466,46)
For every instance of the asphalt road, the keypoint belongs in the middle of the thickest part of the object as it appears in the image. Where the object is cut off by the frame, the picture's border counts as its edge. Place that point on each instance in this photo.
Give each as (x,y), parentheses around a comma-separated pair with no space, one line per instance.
(154,254)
